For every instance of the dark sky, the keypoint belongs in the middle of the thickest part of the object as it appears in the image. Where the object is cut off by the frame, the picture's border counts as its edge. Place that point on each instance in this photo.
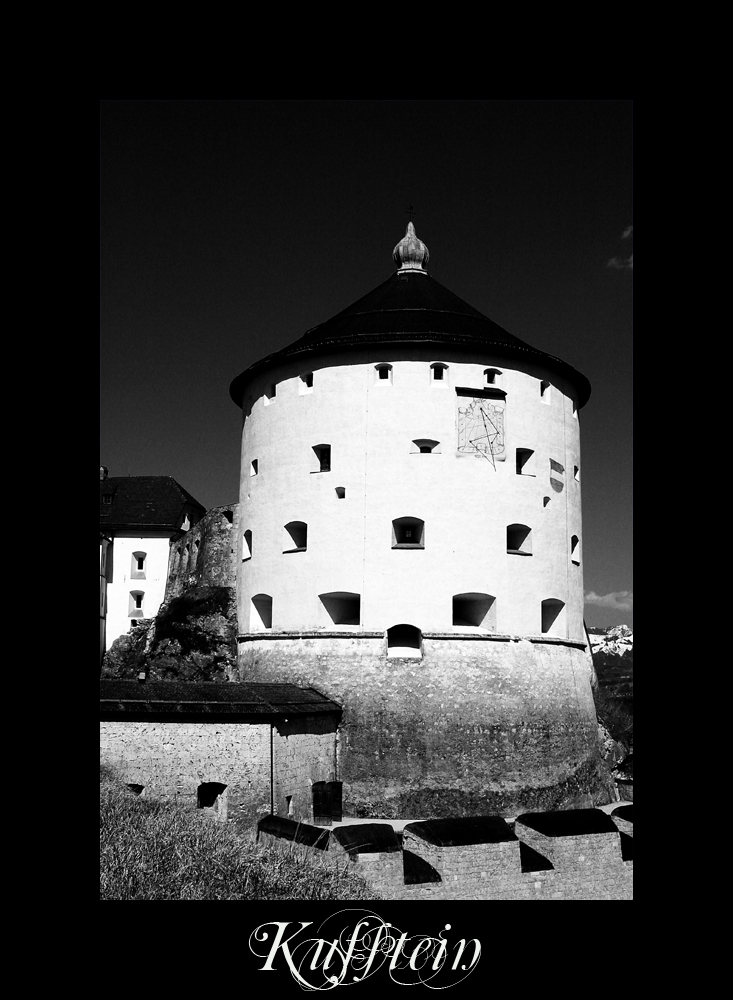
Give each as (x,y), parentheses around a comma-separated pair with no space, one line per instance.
(229,228)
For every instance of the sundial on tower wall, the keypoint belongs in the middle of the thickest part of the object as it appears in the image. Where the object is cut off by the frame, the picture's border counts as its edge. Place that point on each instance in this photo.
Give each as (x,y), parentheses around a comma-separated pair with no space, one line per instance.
(481,423)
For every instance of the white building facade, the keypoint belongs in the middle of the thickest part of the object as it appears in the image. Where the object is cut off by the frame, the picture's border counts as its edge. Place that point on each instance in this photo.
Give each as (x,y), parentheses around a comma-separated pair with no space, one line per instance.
(411,546)
(139,515)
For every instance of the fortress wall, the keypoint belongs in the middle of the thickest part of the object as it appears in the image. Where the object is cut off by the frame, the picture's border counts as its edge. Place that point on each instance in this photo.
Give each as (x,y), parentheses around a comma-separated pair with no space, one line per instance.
(494,871)
(171,759)
(474,726)
(205,556)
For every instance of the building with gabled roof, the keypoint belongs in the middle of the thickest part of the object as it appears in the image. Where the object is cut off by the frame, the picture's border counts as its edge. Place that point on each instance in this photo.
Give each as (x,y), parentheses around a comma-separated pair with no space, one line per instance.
(232,749)
(138,515)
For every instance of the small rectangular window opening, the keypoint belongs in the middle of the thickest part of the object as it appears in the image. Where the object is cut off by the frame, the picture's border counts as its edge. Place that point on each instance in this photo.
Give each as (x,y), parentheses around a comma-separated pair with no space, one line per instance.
(408,533)
(525,463)
(253,469)
(384,373)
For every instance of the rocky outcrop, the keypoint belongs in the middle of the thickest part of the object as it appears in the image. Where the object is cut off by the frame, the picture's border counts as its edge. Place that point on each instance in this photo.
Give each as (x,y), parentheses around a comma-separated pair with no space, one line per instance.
(192,638)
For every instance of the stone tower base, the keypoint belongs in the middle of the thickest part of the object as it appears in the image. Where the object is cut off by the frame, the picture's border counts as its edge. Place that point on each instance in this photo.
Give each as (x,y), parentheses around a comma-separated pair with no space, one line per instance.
(478,724)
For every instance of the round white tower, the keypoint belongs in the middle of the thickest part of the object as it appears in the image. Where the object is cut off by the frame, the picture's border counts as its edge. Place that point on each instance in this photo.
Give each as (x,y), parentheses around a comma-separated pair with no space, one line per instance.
(411,546)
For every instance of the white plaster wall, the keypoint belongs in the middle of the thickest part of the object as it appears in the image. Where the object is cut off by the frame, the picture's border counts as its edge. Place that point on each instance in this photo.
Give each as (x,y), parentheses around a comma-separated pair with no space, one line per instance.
(465,501)
(122,582)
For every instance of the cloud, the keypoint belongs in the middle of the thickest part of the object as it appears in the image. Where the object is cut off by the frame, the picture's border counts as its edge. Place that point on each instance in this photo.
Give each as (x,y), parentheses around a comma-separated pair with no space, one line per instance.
(620,264)
(627,232)
(619,600)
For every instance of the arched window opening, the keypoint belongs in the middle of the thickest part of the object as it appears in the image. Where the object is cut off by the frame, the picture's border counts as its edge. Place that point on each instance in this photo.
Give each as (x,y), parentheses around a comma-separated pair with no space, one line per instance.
(545,501)
(477,610)
(383,373)
(408,533)
(545,391)
(492,376)
(306,383)
(261,613)
(340,492)
(137,571)
(322,453)
(404,641)
(135,605)
(343,607)
(246,545)
(525,462)
(553,619)
(439,372)
(295,536)
(519,539)
(575,550)
(425,446)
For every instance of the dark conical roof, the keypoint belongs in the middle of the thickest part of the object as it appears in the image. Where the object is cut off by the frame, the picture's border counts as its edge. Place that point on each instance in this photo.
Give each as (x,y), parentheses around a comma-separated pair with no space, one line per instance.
(411,307)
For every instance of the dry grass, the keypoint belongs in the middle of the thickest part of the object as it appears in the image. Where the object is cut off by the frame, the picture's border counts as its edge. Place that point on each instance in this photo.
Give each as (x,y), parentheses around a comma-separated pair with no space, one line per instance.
(154,850)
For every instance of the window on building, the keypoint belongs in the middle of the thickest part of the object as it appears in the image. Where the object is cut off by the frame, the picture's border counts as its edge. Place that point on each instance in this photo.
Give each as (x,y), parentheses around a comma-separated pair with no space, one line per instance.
(383,373)
(254,467)
(306,383)
(343,607)
(492,376)
(341,492)
(295,536)
(135,604)
(261,613)
(552,617)
(545,391)
(439,372)
(404,641)
(576,473)
(322,454)
(545,501)
(246,545)
(270,394)
(575,549)
(425,446)
(408,533)
(475,609)
(208,794)
(137,571)
(106,498)
(525,462)
(519,539)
